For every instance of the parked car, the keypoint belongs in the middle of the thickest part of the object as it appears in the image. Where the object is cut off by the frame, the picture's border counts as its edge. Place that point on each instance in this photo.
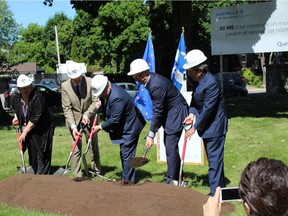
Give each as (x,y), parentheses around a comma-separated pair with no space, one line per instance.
(234,85)
(53,97)
(51,83)
(8,94)
(130,88)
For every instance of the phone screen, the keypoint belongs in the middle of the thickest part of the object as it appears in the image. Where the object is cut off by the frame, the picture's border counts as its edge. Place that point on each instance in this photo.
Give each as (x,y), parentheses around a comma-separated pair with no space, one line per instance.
(229,194)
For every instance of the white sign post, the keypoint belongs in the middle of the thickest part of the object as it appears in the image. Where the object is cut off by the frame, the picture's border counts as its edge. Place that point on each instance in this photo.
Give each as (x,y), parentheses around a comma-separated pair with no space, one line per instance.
(195,152)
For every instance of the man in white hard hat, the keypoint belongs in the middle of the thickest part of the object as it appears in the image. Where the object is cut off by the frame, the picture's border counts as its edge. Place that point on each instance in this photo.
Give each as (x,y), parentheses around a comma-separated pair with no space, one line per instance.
(169,110)
(208,108)
(79,105)
(123,121)
(35,124)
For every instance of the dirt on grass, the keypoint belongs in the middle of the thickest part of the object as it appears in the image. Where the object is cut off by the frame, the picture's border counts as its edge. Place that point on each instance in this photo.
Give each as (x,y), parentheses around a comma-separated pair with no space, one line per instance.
(60,194)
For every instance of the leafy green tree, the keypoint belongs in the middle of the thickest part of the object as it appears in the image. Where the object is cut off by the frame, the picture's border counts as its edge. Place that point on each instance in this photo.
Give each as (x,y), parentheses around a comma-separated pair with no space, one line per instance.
(123,33)
(8,36)
(8,32)
(8,26)
(30,47)
(38,44)
(84,48)
(65,37)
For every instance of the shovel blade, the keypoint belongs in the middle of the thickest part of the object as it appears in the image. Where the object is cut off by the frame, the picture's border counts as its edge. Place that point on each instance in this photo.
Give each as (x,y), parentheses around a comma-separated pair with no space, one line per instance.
(138,162)
(26,170)
(29,170)
(21,170)
(178,183)
(61,172)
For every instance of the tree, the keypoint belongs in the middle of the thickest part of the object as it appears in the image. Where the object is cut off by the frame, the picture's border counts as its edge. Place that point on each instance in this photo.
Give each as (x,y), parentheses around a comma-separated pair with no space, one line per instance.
(65,38)
(122,33)
(37,44)
(8,33)
(8,36)
(29,48)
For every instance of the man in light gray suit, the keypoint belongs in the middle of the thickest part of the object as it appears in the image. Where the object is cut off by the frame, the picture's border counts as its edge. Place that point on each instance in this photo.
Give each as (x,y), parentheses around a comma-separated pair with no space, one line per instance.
(79,105)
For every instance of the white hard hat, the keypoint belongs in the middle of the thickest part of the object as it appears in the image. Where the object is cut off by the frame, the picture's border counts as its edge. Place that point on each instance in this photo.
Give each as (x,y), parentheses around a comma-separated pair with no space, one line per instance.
(138,66)
(194,58)
(98,84)
(23,81)
(74,70)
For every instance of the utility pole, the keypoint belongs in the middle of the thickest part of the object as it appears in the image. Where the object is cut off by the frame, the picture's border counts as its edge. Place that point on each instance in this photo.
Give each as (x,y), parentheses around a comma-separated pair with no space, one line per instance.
(59,75)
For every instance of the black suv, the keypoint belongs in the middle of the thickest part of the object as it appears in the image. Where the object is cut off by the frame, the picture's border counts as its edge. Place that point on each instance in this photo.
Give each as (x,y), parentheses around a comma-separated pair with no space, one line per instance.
(234,85)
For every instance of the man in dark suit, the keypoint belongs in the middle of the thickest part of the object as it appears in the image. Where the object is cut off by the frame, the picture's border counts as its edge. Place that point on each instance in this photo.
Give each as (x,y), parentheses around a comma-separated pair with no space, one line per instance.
(78,105)
(169,111)
(123,121)
(207,110)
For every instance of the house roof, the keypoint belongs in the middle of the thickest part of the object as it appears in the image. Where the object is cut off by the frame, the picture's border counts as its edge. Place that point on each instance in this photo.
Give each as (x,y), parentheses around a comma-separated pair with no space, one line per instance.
(24,68)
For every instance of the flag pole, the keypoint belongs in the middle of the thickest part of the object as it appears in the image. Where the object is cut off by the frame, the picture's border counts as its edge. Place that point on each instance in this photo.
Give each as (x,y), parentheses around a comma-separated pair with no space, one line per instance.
(184,83)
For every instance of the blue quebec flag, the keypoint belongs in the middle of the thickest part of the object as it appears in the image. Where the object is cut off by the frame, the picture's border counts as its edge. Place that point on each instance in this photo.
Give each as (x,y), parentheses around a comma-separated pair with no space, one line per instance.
(142,98)
(178,71)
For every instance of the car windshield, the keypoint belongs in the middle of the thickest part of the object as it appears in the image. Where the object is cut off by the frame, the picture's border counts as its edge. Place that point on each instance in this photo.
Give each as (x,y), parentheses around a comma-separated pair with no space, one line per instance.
(48,82)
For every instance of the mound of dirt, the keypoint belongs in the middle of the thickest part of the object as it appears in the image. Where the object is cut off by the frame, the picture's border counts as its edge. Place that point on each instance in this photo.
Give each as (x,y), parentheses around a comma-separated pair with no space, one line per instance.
(60,194)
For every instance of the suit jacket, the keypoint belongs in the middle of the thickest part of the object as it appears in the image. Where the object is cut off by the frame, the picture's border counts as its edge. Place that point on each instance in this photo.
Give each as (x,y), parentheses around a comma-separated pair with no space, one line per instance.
(208,105)
(123,121)
(74,108)
(169,106)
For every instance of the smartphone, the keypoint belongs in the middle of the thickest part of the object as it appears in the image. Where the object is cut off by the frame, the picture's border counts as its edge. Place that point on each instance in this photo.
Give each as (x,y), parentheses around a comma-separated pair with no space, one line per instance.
(229,194)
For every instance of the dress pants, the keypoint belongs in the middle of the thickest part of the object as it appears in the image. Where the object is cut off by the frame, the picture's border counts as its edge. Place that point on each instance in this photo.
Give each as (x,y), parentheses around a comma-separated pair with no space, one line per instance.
(215,153)
(128,150)
(172,155)
(93,153)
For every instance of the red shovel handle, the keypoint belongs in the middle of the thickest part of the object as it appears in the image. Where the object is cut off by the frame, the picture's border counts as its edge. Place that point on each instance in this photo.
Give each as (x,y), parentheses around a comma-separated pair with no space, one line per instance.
(75,142)
(18,136)
(77,139)
(184,149)
(94,123)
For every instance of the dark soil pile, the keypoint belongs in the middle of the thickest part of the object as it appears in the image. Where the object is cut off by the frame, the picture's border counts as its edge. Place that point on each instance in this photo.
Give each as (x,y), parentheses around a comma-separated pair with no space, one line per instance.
(60,194)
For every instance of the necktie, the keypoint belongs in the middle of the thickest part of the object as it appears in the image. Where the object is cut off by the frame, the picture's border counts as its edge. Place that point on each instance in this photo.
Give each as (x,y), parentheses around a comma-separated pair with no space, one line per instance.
(78,93)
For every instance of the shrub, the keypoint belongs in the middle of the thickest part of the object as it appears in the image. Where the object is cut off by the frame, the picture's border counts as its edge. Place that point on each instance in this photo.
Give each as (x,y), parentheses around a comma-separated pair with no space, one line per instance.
(252,79)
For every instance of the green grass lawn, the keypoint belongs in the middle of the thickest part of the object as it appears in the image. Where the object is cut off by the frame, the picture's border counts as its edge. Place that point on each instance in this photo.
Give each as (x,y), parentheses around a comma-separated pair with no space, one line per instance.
(257,127)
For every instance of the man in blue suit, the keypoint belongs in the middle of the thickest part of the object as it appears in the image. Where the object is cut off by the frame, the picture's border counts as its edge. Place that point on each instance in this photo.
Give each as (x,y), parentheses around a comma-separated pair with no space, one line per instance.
(123,121)
(169,111)
(208,109)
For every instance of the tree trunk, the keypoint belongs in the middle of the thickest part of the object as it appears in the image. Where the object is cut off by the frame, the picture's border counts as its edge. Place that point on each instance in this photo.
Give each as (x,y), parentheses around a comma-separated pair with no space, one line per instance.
(182,14)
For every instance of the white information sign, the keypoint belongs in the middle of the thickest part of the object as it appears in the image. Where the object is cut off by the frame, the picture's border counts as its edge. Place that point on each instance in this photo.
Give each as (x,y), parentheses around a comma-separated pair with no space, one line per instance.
(252,28)
(195,152)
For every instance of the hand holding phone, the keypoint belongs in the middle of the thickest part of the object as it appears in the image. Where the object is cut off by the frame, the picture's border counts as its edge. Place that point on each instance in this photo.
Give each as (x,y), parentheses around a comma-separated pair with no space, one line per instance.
(229,194)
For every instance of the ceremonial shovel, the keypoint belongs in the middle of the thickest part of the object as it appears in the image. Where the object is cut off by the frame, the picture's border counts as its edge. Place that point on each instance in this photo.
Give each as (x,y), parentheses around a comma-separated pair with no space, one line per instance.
(139,161)
(22,169)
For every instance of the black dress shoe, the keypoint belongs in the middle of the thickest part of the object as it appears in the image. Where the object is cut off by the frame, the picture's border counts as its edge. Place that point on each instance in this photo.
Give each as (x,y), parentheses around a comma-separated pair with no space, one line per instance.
(126,183)
(210,194)
(78,179)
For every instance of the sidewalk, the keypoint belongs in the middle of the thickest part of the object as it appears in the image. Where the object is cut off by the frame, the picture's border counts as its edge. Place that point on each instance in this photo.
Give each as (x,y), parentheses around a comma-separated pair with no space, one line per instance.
(255,90)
